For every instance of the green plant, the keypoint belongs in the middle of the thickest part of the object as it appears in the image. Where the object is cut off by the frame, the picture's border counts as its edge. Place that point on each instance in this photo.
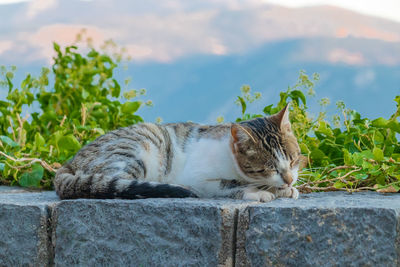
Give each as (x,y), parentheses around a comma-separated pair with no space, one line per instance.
(83,102)
(246,98)
(352,153)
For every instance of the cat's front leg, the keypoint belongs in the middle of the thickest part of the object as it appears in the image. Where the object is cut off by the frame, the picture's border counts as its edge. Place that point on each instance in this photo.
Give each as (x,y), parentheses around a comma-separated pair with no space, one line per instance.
(258,195)
(290,192)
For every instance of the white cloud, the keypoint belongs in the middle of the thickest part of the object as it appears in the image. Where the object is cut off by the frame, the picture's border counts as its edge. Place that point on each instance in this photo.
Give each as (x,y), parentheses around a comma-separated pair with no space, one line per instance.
(6,2)
(389,9)
(37,6)
(175,29)
(5,45)
(139,52)
(166,38)
(364,78)
(216,47)
(61,33)
(343,56)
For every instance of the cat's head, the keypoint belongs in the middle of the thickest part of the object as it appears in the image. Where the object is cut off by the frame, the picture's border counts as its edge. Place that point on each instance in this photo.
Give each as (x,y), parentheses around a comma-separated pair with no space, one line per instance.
(266,151)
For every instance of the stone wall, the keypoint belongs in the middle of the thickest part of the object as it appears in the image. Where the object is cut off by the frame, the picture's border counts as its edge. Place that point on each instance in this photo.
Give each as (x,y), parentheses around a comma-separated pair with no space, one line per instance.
(319,229)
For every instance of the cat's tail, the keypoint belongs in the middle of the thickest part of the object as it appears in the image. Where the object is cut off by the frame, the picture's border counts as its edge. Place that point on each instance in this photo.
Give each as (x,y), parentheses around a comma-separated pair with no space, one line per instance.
(71,185)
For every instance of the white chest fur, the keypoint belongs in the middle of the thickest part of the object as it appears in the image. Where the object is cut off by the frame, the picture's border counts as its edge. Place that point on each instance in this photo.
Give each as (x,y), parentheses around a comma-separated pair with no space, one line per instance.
(206,161)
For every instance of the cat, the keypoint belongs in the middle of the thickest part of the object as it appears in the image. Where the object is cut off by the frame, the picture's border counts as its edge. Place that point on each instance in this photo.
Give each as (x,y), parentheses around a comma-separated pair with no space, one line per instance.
(255,160)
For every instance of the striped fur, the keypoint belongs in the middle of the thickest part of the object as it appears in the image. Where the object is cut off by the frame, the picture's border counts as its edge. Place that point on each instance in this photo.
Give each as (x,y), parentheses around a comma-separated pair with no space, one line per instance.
(186,160)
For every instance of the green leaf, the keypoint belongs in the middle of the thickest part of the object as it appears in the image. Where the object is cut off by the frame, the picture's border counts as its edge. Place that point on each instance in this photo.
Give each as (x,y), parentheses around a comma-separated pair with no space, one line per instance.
(85,94)
(394,125)
(367,154)
(379,137)
(4,104)
(99,130)
(8,141)
(361,176)
(358,159)
(56,47)
(32,178)
(27,81)
(115,91)
(381,179)
(303,148)
(130,107)
(137,118)
(49,115)
(39,140)
(10,85)
(93,53)
(324,129)
(69,143)
(378,154)
(296,94)
(267,109)
(347,157)
(56,136)
(379,122)
(317,154)
(243,104)
(339,184)
(367,166)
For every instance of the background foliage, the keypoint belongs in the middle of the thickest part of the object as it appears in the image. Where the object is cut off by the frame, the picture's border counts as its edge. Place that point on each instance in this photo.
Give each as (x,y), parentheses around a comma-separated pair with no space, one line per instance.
(84,101)
(350,153)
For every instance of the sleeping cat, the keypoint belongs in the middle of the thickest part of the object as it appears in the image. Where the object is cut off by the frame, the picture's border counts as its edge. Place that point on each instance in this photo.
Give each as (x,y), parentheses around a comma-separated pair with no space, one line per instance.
(254,160)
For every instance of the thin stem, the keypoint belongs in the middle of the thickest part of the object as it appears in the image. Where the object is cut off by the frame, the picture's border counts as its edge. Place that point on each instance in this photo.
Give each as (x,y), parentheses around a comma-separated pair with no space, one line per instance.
(32,161)
(12,129)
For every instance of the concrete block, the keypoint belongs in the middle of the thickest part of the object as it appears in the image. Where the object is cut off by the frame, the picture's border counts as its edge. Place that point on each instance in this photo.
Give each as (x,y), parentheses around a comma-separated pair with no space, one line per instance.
(150,232)
(321,229)
(24,221)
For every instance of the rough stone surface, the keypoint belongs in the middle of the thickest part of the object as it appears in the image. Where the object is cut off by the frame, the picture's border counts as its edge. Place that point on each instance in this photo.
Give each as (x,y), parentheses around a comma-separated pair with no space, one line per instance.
(24,228)
(12,189)
(151,232)
(321,229)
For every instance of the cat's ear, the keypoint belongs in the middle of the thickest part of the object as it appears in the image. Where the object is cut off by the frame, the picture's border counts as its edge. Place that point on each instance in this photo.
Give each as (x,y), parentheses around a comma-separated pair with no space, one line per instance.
(282,118)
(240,133)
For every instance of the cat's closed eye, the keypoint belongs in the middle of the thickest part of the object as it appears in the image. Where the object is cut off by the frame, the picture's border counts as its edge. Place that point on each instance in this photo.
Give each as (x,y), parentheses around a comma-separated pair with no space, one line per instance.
(257,171)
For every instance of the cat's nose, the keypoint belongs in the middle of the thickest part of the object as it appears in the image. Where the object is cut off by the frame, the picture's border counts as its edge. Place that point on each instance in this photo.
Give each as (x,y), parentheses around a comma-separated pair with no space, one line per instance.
(287,178)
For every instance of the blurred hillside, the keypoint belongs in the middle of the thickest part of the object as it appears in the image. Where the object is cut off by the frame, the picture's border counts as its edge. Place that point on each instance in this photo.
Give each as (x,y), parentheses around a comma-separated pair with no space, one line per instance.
(192,57)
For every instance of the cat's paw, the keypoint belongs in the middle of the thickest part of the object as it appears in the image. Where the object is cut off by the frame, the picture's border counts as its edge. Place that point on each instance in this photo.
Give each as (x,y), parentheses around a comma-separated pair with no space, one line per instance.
(295,193)
(290,192)
(259,195)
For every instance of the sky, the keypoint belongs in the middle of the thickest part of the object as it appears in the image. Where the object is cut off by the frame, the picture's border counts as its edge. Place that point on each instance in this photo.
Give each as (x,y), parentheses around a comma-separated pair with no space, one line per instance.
(216,46)
(389,9)
(169,30)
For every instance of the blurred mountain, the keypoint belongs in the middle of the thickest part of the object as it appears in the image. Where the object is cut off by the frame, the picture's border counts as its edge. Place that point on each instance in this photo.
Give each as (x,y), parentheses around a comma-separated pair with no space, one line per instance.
(193,56)
(201,88)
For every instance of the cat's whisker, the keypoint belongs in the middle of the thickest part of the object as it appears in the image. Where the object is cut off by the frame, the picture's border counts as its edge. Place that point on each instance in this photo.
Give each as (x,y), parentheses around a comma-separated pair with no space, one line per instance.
(267,187)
